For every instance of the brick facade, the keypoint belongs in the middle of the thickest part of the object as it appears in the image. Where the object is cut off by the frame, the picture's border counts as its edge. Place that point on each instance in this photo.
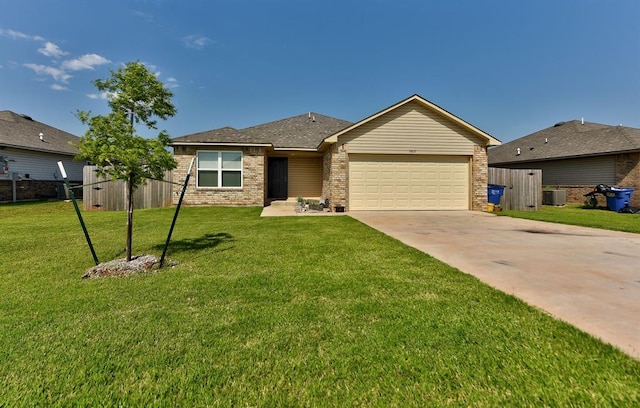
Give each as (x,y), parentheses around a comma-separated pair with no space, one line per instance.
(335,176)
(326,175)
(252,192)
(479,178)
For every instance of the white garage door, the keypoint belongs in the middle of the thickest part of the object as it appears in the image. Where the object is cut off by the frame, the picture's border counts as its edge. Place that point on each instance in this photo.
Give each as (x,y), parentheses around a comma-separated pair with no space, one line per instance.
(408,182)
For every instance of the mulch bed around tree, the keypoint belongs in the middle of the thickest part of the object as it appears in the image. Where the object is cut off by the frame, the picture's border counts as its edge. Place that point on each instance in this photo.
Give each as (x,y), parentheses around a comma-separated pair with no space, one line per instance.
(120,267)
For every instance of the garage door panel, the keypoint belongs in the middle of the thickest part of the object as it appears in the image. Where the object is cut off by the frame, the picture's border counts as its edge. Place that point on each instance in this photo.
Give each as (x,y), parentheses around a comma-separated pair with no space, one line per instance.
(459,190)
(409,182)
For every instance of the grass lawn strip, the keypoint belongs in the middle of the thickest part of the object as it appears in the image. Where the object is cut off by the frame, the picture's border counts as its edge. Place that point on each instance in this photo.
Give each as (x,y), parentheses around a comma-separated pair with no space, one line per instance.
(304,311)
(582,216)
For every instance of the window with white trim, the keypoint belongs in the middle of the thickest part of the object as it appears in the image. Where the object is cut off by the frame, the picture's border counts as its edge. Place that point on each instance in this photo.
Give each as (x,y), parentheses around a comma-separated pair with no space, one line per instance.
(219,169)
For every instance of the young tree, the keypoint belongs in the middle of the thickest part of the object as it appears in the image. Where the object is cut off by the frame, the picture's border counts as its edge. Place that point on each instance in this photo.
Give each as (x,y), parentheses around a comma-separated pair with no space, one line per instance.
(135,96)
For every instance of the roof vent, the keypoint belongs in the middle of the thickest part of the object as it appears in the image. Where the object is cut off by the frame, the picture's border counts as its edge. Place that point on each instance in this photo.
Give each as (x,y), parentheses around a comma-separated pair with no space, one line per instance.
(26,117)
(559,124)
(518,151)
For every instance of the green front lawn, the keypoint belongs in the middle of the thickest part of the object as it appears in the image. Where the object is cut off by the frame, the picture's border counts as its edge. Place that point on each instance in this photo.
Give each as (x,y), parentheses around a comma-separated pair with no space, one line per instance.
(582,216)
(295,311)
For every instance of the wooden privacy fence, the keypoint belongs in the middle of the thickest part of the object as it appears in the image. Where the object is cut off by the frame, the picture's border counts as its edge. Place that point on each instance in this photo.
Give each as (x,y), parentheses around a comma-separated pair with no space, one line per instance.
(523,188)
(112,195)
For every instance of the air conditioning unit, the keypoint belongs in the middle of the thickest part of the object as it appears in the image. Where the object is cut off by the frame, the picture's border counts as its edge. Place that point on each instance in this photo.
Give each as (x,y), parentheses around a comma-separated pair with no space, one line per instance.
(554,197)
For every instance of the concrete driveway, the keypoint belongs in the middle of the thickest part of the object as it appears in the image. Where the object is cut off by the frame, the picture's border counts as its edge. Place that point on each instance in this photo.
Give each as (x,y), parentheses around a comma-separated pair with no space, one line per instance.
(587,277)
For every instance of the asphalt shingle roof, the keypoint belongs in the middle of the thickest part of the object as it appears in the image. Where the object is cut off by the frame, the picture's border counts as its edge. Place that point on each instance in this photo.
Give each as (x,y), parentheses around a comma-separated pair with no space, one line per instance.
(22,132)
(298,132)
(565,140)
(222,135)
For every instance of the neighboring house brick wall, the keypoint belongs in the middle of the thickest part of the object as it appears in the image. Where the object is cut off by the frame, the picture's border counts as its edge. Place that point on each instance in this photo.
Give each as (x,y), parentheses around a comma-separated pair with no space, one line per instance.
(253,179)
(39,176)
(575,194)
(33,190)
(479,177)
(628,174)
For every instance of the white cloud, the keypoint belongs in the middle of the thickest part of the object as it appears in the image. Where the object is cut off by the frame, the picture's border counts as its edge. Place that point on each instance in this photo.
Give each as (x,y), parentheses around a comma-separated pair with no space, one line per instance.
(51,50)
(57,73)
(149,18)
(103,95)
(172,83)
(197,42)
(87,61)
(17,35)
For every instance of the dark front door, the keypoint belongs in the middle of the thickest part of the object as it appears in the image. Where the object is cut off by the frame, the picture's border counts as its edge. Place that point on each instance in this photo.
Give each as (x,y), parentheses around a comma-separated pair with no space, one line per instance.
(277,184)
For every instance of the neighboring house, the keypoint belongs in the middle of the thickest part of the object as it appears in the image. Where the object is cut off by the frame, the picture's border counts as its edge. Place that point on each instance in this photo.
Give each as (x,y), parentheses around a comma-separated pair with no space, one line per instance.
(413,155)
(575,156)
(29,152)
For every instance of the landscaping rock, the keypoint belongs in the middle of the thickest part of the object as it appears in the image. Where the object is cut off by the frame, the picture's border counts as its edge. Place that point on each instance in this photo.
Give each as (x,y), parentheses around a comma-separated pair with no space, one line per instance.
(120,267)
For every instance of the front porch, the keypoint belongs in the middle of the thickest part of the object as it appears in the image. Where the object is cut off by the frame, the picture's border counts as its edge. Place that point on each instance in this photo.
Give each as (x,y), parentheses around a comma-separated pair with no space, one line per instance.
(291,175)
(287,208)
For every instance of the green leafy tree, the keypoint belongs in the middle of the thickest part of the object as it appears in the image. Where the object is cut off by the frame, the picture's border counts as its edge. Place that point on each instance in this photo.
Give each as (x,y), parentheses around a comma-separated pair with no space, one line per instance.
(136,97)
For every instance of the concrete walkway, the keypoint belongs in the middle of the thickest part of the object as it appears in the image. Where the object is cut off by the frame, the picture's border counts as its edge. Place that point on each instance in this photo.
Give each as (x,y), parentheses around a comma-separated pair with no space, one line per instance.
(587,277)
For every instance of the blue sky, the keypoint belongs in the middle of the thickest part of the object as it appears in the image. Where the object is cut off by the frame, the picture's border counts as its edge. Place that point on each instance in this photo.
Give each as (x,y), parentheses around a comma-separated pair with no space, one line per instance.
(509,67)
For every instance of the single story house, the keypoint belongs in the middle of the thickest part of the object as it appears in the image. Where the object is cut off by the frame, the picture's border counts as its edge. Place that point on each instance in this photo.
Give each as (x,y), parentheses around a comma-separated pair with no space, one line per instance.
(29,152)
(576,156)
(413,155)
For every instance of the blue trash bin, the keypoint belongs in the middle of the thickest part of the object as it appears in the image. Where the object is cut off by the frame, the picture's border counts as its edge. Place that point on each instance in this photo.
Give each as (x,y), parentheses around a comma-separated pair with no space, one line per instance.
(494,192)
(618,198)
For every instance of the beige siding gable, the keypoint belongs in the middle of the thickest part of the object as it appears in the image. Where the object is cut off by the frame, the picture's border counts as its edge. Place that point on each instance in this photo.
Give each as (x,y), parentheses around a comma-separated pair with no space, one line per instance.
(411,128)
